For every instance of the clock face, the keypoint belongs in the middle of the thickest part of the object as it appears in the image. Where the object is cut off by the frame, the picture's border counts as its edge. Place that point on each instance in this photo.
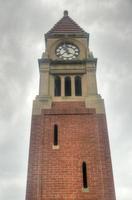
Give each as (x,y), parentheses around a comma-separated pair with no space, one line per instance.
(67,51)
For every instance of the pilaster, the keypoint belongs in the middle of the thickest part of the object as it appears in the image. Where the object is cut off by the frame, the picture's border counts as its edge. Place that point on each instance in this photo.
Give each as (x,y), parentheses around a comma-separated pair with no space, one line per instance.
(44,80)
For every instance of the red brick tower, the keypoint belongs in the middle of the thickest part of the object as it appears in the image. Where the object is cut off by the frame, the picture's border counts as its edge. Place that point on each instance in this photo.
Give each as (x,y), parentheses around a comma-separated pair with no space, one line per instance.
(69,155)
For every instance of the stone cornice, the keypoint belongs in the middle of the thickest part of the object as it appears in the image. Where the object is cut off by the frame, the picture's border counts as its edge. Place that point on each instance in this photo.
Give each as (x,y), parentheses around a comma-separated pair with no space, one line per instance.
(62,35)
(56,62)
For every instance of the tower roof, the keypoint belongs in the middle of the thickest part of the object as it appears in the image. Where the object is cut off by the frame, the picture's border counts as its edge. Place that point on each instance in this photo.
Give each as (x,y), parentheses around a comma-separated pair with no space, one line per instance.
(66,26)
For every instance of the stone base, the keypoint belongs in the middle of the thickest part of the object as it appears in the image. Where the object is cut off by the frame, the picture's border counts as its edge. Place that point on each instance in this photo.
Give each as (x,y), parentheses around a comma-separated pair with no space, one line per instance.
(41,102)
(95,101)
(45,102)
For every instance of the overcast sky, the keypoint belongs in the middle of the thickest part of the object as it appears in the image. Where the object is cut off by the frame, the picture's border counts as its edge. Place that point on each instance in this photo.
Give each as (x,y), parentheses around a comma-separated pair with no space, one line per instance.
(22,27)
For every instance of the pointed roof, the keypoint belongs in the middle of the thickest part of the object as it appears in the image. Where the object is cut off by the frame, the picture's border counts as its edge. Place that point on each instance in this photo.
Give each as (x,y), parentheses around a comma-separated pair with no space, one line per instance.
(66,26)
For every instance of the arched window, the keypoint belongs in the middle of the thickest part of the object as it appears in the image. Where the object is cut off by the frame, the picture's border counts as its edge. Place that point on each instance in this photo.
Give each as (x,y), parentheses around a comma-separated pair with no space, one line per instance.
(84,172)
(78,86)
(55,134)
(57,86)
(67,86)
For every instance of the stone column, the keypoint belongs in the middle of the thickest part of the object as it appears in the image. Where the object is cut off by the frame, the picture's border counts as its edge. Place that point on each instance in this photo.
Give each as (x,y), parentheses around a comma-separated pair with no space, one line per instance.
(73,86)
(62,86)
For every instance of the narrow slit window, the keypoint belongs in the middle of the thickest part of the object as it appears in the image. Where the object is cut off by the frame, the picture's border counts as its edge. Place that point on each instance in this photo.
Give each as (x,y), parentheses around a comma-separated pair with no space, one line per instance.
(57,86)
(67,86)
(84,172)
(55,135)
(78,86)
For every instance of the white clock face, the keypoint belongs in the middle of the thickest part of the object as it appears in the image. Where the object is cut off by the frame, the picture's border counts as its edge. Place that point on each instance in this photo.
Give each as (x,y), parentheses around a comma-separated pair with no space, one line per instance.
(67,51)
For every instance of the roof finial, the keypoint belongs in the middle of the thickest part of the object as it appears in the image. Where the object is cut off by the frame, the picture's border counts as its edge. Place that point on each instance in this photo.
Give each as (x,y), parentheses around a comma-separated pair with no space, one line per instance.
(65,13)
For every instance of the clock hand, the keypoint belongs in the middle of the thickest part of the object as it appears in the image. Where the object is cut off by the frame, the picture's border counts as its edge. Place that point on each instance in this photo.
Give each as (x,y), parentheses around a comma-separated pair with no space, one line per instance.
(63,53)
(64,46)
(66,51)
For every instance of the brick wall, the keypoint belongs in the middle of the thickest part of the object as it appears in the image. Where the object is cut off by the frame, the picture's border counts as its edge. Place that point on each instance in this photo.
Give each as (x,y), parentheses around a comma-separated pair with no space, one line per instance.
(57,173)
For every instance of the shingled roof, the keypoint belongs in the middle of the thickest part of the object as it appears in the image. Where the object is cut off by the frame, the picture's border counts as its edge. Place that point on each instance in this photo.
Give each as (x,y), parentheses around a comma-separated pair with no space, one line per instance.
(67,26)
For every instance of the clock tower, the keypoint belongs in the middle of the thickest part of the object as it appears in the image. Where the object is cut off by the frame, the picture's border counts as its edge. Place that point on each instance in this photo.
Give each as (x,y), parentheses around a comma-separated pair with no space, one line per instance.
(69,155)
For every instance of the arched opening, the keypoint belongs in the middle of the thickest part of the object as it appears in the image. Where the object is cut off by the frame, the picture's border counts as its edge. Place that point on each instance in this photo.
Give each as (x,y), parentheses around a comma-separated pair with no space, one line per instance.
(55,134)
(84,172)
(67,86)
(78,86)
(57,86)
